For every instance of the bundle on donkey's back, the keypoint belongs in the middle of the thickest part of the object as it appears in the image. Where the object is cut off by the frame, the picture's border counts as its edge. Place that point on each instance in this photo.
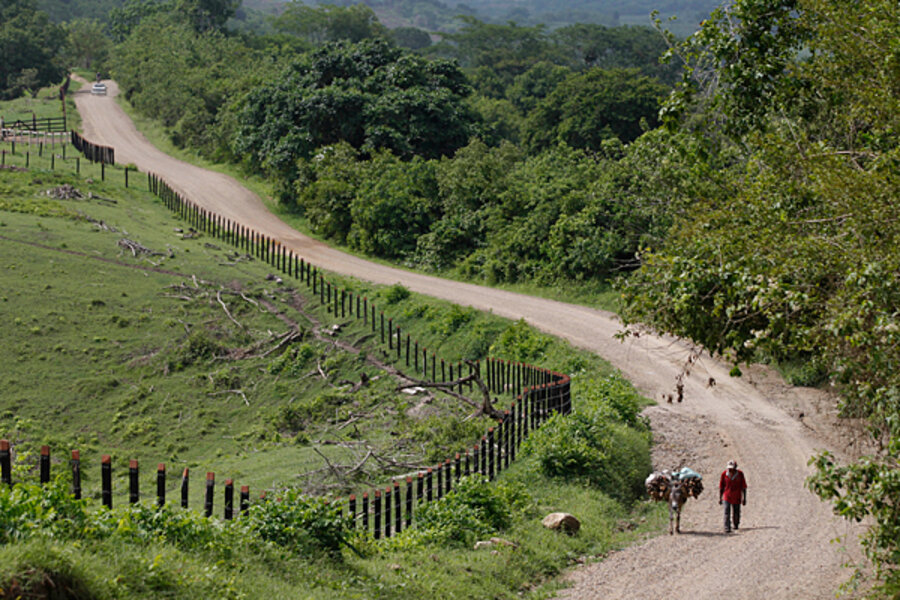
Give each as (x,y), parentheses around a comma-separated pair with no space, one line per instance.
(674,487)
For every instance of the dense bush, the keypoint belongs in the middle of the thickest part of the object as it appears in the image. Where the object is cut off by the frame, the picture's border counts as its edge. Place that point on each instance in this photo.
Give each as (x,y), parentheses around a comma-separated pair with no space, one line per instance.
(474,509)
(605,443)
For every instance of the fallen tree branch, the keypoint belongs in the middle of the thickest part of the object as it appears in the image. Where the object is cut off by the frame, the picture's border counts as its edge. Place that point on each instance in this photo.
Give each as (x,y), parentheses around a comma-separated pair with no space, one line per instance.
(225,308)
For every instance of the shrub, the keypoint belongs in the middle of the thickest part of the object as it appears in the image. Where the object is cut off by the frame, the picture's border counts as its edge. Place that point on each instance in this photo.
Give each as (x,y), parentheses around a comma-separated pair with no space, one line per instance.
(475,508)
(395,294)
(586,447)
(300,523)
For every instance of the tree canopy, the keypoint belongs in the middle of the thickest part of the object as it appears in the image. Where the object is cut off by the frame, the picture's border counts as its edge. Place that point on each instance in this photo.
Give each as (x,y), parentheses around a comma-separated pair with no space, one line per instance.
(371,95)
(31,47)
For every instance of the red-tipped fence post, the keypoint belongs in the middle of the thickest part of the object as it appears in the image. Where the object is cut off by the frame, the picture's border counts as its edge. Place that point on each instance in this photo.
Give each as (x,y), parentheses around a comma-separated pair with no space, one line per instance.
(229,499)
(429,485)
(185,480)
(387,512)
(45,464)
(245,499)
(210,492)
(134,493)
(409,501)
(397,505)
(376,508)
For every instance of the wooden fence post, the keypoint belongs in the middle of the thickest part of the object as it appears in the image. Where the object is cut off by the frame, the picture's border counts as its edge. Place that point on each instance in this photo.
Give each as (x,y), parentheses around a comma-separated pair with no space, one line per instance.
(185,480)
(134,493)
(161,485)
(376,508)
(245,499)
(76,474)
(351,508)
(5,463)
(491,452)
(409,501)
(397,505)
(210,492)
(387,512)
(440,481)
(106,480)
(365,512)
(45,464)
(429,486)
(229,499)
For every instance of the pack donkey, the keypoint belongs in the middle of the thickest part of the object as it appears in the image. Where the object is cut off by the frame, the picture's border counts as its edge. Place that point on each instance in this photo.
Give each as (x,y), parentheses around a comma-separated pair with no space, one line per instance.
(678,495)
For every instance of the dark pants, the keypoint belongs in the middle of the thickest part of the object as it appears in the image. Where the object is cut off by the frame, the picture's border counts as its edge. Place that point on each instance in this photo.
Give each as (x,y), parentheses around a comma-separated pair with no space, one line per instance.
(732,514)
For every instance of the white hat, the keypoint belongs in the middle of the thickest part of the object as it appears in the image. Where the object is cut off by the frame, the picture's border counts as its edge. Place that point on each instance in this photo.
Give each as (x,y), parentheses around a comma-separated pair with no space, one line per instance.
(731,465)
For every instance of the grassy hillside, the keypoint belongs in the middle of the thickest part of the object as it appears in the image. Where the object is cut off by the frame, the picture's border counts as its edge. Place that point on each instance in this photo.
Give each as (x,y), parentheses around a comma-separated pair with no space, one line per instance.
(128,334)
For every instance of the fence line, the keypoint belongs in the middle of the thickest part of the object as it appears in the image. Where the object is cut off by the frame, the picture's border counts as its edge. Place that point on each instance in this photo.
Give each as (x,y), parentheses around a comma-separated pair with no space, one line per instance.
(537,393)
(93,152)
(35,123)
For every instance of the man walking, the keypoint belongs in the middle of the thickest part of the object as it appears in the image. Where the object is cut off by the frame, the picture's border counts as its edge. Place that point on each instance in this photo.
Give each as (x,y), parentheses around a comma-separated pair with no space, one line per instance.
(733,488)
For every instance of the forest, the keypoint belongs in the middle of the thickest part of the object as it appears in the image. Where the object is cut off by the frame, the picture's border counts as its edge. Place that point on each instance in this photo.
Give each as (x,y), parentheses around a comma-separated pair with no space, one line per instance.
(737,187)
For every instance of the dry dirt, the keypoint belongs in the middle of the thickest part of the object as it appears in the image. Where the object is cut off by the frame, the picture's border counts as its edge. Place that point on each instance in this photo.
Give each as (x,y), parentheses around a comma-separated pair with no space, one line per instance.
(784,549)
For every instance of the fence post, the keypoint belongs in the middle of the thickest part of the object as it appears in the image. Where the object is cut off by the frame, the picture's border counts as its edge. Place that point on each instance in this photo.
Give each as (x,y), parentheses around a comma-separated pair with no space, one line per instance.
(484,453)
(245,499)
(448,470)
(75,463)
(458,465)
(491,451)
(420,478)
(45,464)
(440,480)
(106,480)
(409,501)
(387,512)
(229,499)
(5,462)
(351,507)
(161,485)
(365,512)
(377,513)
(429,485)
(210,491)
(397,505)
(185,480)
(134,493)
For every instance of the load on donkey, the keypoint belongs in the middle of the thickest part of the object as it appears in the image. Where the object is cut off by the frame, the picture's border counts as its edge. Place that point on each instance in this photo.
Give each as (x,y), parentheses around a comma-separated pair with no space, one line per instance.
(674,487)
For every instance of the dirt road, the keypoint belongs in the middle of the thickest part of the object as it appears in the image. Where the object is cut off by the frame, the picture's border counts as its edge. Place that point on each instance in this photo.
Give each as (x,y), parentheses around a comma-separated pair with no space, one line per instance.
(783,549)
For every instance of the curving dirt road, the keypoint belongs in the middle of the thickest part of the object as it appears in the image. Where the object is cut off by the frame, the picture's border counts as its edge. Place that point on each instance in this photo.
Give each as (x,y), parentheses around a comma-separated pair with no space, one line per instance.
(783,550)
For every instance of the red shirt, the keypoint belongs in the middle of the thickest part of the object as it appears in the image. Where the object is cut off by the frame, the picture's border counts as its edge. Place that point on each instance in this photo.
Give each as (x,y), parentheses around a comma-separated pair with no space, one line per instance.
(732,486)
